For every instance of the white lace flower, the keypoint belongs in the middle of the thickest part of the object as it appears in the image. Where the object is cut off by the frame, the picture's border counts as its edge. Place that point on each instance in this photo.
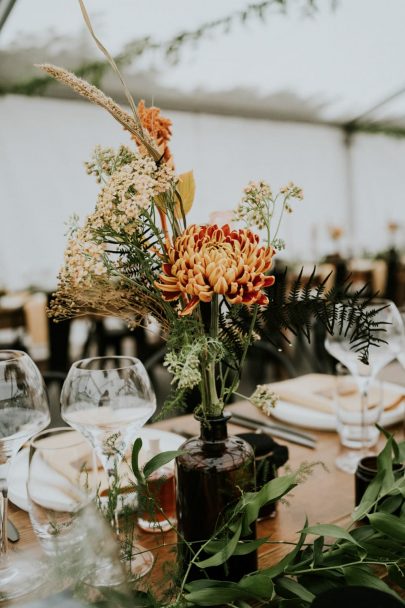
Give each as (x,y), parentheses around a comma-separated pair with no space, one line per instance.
(264,398)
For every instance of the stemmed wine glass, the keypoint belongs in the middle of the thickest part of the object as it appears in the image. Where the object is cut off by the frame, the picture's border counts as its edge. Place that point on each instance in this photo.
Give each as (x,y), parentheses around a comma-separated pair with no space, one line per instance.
(24,411)
(390,329)
(109,399)
(401,359)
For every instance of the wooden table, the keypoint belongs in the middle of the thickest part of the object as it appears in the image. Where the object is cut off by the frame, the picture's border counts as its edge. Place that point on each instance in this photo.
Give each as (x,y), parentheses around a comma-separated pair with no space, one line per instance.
(326,497)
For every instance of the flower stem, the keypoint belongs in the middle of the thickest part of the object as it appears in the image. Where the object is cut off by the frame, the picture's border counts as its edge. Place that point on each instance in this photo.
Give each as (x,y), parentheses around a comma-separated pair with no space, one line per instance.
(214,407)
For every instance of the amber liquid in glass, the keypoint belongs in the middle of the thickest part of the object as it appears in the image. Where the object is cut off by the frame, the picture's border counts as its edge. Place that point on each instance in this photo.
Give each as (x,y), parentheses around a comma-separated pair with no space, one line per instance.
(158,508)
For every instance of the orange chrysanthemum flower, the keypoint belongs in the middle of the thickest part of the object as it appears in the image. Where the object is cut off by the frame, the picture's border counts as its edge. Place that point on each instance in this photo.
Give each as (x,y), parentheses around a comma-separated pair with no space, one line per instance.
(208,260)
(158,126)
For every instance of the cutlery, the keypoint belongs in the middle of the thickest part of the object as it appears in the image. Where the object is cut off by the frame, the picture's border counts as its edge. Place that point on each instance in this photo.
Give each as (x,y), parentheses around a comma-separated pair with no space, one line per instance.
(12,532)
(276,431)
(271,425)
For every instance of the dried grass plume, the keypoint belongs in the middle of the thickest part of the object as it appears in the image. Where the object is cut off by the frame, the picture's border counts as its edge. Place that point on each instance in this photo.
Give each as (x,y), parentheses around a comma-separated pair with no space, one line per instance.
(93,94)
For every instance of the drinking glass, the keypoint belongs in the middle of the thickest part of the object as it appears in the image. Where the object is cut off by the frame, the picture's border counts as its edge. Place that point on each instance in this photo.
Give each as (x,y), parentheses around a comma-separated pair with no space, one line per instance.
(109,399)
(401,353)
(24,411)
(62,488)
(62,481)
(340,346)
(401,359)
(348,407)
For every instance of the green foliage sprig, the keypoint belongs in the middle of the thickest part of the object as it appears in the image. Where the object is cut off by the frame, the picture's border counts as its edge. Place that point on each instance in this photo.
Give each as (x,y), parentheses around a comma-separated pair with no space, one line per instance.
(295,307)
(323,557)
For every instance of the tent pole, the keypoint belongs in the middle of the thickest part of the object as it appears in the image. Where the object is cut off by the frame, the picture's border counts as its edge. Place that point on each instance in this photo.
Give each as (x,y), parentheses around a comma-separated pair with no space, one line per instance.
(350,202)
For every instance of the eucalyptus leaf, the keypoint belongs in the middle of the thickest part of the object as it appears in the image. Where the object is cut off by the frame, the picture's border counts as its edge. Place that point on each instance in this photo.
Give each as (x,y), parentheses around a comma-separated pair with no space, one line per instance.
(361,576)
(211,596)
(318,550)
(214,593)
(245,547)
(270,492)
(401,453)
(370,496)
(288,559)
(202,583)
(388,435)
(331,530)
(389,525)
(390,504)
(291,586)
(225,552)
(384,464)
(259,584)
(134,461)
(159,461)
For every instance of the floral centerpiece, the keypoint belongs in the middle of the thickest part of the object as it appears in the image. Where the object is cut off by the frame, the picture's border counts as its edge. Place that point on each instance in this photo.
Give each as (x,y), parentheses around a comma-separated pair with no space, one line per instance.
(209,286)
(136,256)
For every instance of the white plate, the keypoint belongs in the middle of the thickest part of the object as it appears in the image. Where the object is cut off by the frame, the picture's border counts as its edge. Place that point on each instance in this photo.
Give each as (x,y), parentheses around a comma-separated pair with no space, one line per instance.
(18,475)
(313,419)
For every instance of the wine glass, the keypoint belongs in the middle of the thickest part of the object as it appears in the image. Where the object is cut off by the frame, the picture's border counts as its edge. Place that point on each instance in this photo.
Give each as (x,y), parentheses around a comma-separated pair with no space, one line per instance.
(24,410)
(401,353)
(340,345)
(401,359)
(109,399)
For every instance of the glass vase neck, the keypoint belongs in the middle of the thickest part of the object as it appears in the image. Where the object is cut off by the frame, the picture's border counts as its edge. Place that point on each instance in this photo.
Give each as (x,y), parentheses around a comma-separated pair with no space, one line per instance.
(214,428)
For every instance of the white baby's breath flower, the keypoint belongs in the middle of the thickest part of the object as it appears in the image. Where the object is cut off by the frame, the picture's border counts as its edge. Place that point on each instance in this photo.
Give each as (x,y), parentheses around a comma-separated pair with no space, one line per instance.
(128,192)
(293,191)
(83,260)
(264,398)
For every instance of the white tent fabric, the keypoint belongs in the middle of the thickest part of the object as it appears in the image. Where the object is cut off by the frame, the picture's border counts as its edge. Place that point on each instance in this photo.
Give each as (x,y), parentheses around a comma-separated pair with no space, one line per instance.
(43,143)
(327,68)
(331,66)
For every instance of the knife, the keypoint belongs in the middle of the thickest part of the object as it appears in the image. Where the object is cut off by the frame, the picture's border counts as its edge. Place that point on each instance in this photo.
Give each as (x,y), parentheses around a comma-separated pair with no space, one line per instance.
(12,533)
(273,426)
(276,431)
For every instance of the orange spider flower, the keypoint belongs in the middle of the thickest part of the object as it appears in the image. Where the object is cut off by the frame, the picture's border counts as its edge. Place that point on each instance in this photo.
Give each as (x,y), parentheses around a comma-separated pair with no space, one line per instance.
(208,260)
(158,126)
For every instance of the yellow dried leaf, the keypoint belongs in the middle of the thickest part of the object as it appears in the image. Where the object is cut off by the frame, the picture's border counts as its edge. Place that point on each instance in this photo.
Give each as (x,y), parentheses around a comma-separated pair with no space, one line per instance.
(186,189)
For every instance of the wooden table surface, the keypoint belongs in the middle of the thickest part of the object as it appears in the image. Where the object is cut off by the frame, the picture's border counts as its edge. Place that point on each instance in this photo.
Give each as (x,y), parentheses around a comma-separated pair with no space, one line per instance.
(326,497)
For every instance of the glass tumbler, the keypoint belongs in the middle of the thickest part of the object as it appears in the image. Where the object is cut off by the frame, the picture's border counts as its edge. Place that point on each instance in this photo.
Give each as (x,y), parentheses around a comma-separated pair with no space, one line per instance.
(62,481)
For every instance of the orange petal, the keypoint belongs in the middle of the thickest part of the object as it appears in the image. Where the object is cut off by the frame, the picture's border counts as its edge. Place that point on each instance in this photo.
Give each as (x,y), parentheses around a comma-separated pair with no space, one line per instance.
(190,307)
(269,281)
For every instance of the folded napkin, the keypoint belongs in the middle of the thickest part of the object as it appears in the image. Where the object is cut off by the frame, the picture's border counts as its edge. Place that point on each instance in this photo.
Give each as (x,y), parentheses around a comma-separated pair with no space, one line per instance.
(318,392)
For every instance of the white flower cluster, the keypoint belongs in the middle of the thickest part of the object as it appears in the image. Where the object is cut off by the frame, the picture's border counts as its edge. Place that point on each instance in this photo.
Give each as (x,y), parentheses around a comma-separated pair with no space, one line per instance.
(264,398)
(128,192)
(83,260)
(253,208)
(105,161)
(290,190)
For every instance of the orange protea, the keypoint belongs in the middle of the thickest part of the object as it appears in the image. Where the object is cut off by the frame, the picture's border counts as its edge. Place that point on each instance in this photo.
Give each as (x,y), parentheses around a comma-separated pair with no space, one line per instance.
(158,126)
(208,260)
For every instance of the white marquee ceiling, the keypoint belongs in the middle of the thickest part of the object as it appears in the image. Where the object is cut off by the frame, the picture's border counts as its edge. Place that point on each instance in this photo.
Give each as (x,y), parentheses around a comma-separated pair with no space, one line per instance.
(330,67)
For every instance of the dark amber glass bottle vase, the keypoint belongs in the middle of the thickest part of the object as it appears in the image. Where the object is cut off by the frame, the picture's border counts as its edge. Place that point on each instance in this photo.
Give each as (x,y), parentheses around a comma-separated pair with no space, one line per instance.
(210,476)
